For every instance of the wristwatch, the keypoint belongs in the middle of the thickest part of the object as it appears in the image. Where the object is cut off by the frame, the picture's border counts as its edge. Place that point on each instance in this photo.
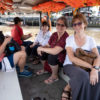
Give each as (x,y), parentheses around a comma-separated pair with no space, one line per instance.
(96,67)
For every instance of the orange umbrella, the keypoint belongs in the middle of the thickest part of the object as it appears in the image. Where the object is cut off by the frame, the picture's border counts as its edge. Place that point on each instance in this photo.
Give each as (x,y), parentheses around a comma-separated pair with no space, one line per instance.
(5,5)
(73,3)
(8,1)
(49,7)
(92,2)
(80,3)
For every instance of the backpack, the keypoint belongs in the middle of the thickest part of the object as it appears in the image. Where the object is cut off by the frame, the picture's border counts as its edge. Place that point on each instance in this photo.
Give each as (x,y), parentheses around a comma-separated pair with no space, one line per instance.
(12,47)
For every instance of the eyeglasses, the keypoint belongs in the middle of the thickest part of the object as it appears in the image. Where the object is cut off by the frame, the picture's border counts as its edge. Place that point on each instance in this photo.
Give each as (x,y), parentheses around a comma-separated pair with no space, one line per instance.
(79,24)
(62,25)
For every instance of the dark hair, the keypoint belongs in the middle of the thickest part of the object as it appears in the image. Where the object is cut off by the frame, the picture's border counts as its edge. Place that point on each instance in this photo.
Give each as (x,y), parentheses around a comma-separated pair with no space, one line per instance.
(17,20)
(38,98)
(2,37)
(45,23)
(80,17)
(64,19)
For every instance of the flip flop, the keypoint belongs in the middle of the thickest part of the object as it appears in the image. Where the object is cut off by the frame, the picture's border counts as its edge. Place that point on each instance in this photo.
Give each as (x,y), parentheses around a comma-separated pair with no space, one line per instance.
(66,95)
(36,62)
(51,80)
(41,72)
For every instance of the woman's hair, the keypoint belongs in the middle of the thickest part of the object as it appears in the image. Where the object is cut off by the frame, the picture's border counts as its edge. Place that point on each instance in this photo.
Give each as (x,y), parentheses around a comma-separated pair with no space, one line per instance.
(45,23)
(64,19)
(2,37)
(80,17)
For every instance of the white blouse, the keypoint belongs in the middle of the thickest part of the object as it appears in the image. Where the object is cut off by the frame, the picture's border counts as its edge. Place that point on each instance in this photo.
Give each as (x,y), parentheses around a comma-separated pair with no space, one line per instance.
(43,39)
(70,42)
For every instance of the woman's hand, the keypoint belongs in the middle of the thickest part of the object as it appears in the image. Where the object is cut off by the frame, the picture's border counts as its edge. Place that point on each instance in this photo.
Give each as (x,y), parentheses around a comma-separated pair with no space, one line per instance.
(29,35)
(22,48)
(40,50)
(7,40)
(31,46)
(94,76)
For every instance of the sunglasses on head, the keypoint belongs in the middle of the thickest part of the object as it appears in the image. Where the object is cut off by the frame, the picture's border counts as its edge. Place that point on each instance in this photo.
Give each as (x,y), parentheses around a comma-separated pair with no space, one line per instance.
(62,25)
(75,24)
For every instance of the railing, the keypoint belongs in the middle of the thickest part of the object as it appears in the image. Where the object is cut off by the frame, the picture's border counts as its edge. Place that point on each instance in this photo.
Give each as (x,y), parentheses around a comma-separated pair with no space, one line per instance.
(92,22)
(34,21)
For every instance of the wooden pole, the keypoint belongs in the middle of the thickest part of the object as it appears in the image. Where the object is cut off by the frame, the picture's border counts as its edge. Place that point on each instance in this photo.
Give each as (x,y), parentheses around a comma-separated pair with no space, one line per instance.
(49,20)
(40,19)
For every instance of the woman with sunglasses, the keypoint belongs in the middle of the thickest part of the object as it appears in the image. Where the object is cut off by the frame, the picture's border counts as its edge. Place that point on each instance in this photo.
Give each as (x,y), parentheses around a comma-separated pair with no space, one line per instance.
(83,85)
(54,53)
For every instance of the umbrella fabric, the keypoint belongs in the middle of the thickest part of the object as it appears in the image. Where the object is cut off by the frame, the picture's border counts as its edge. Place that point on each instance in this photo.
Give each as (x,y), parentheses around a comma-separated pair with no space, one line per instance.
(5,5)
(8,1)
(73,3)
(50,6)
(80,3)
(92,2)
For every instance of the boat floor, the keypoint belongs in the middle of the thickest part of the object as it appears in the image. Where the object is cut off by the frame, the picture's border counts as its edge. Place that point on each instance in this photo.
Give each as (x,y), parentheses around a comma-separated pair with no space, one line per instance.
(35,86)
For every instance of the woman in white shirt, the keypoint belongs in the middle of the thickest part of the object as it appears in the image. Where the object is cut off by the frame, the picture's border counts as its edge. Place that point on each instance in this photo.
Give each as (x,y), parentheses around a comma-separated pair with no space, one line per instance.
(83,85)
(41,39)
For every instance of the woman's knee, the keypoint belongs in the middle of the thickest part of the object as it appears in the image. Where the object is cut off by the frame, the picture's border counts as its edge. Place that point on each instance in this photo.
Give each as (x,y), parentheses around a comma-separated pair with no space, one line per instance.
(18,55)
(52,59)
(44,56)
(22,54)
(76,73)
(83,75)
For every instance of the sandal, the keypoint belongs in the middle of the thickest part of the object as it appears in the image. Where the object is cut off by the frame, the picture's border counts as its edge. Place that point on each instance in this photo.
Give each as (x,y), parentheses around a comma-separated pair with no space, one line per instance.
(51,80)
(36,62)
(67,95)
(41,72)
(31,59)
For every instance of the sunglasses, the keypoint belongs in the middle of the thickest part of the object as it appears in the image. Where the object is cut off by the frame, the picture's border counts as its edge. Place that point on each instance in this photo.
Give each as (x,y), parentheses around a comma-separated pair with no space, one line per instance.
(62,25)
(75,24)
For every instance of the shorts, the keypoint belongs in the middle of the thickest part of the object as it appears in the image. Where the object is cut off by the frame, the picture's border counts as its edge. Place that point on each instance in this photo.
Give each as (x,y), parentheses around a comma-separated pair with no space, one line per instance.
(11,61)
(52,59)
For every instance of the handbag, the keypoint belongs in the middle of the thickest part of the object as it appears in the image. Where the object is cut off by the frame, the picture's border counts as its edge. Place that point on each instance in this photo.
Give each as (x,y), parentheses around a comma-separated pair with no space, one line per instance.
(86,56)
(12,47)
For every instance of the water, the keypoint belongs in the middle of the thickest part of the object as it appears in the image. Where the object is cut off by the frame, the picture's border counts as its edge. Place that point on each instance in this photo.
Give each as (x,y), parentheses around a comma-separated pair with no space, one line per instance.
(93,32)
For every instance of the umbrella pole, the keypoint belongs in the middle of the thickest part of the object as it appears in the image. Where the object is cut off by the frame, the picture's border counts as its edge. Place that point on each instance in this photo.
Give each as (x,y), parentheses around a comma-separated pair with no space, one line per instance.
(49,21)
(40,20)
(75,11)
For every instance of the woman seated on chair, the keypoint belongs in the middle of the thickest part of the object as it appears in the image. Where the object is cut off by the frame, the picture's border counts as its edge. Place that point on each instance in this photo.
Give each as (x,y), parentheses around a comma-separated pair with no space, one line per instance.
(41,39)
(54,53)
(82,85)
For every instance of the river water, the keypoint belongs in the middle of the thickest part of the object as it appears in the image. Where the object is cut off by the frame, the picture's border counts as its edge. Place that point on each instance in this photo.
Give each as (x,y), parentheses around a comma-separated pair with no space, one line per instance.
(94,32)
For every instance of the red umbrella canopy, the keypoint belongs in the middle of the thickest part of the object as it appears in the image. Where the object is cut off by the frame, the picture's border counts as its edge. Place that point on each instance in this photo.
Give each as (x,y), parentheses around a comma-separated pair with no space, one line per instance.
(8,1)
(92,2)
(5,5)
(80,3)
(50,6)
(73,3)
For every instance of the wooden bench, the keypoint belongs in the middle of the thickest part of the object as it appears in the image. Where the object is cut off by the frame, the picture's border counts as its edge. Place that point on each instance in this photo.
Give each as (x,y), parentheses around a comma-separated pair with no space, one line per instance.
(9,86)
(63,76)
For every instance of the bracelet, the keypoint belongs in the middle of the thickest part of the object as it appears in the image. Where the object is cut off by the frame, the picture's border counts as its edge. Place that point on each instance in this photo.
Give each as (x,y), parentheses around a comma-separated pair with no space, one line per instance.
(96,67)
